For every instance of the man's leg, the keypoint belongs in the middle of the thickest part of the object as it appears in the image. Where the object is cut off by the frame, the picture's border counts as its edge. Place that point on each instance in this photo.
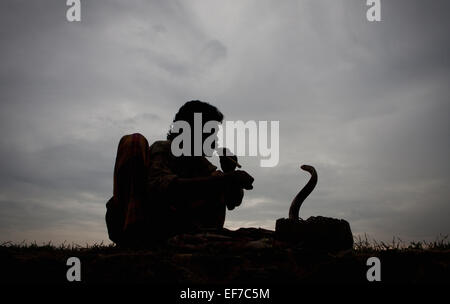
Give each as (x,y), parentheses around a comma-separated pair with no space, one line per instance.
(211,214)
(129,184)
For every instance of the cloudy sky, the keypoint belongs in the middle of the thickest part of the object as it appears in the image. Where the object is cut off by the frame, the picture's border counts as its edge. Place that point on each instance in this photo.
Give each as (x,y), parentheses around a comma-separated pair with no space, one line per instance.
(366,103)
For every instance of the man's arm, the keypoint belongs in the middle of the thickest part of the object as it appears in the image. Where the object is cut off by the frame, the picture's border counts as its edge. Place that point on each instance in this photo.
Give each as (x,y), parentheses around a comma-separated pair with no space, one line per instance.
(210,184)
(162,181)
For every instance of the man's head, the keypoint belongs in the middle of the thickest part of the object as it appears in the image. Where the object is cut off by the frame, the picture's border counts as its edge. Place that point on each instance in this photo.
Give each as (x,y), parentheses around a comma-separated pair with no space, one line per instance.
(186,113)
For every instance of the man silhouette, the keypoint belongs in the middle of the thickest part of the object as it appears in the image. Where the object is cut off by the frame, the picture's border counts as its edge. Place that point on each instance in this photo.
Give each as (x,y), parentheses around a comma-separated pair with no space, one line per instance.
(157,194)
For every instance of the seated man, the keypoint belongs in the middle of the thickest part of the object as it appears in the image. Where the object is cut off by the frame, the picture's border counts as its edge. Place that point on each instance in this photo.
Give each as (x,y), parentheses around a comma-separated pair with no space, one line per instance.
(177,194)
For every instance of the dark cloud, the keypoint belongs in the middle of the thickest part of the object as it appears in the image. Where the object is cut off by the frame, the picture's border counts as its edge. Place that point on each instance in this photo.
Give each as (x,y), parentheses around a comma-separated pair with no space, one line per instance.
(366,103)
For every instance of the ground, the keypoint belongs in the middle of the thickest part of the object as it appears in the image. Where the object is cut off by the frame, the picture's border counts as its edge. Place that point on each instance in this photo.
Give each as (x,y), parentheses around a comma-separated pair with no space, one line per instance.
(244,257)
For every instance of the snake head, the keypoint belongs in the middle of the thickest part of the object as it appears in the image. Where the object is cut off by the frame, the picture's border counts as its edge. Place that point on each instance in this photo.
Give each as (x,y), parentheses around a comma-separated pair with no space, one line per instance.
(308,168)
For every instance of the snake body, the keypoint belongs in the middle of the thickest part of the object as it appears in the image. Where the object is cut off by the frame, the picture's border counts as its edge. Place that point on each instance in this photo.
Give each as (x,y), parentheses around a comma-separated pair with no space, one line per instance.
(303,194)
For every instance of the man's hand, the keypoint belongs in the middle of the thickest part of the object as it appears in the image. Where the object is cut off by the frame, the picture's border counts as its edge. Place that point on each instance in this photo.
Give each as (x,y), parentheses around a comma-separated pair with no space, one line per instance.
(228,161)
(240,179)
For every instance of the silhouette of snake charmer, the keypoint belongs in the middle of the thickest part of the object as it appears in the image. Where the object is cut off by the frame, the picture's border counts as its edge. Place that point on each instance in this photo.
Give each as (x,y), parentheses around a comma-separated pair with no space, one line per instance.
(158,194)
(316,233)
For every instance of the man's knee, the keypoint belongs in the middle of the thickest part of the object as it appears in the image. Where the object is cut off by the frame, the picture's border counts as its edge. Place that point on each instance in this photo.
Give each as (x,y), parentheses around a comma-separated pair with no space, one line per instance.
(132,146)
(131,140)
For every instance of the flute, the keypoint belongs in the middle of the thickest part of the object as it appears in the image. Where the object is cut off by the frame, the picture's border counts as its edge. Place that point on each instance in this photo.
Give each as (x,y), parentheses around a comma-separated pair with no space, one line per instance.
(234,161)
(224,152)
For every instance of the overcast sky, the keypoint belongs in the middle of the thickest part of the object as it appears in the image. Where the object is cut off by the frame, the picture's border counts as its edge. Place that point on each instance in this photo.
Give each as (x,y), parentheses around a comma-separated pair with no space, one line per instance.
(366,103)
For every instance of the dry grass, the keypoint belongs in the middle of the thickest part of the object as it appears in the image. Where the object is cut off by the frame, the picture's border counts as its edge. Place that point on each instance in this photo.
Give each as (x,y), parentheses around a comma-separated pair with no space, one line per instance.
(362,244)
(365,244)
